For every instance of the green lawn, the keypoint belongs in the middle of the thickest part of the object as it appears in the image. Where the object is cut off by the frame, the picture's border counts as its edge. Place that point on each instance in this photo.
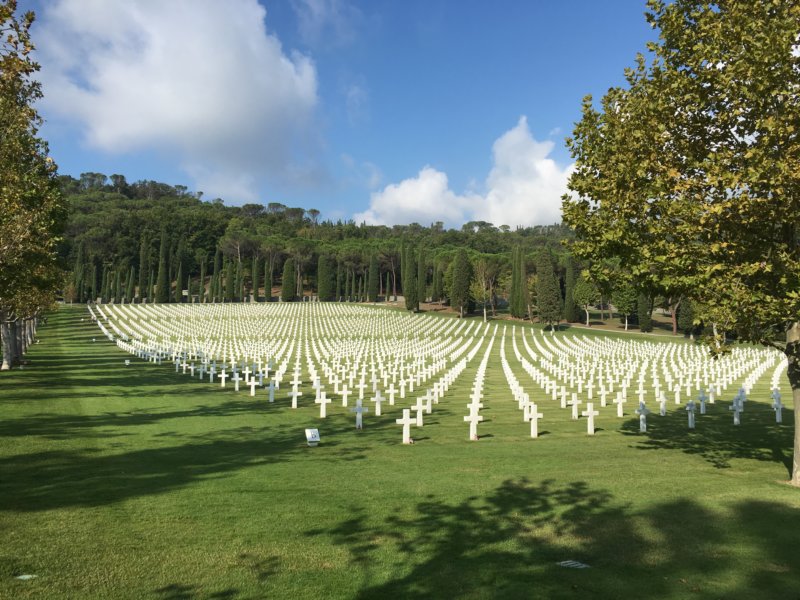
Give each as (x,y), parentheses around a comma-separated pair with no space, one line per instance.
(137,482)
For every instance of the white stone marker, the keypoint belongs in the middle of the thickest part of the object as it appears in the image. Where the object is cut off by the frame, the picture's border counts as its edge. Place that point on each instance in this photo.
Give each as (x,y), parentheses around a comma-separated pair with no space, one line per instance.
(702,398)
(294,395)
(574,403)
(619,401)
(323,402)
(345,393)
(391,391)
(534,415)
(591,413)
(271,390)
(419,407)
(662,405)
(736,407)
(777,406)
(690,411)
(236,381)
(406,422)
(253,384)
(312,437)
(223,376)
(377,399)
(359,409)
(473,419)
(642,411)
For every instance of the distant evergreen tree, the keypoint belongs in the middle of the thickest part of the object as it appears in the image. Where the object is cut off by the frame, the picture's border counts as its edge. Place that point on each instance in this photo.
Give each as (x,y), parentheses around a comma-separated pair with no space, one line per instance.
(130,286)
(422,276)
(215,277)
(288,282)
(254,271)
(462,279)
(409,276)
(548,294)
(144,262)
(374,279)
(203,264)
(326,290)
(151,285)
(686,317)
(118,285)
(571,310)
(230,278)
(644,309)
(437,287)
(386,289)
(267,281)
(339,281)
(162,282)
(514,296)
(78,274)
(585,294)
(179,284)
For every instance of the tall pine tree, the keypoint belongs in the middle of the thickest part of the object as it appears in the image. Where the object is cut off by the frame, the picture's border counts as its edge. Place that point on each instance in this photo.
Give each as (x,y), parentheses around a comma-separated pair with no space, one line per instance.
(548,294)
(288,282)
(162,282)
(462,279)
(571,309)
(374,276)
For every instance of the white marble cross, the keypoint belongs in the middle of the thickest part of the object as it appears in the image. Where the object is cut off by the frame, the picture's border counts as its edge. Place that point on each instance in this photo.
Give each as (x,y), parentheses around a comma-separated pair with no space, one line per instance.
(406,422)
(223,376)
(391,390)
(736,407)
(591,413)
(619,401)
(271,390)
(377,399)
(323,402)
(253,384)
(534,415)
(473,419)
(345,393)
(690,411)
(294,395)
(419,407)
(359,409)
(777,406)
(236,381)
(642,411)
(574,404)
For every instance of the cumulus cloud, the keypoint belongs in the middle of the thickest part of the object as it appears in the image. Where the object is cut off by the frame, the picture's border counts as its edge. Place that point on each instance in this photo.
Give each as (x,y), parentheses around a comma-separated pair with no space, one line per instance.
(197,79)
(423,199)
(331,22)
(523,188)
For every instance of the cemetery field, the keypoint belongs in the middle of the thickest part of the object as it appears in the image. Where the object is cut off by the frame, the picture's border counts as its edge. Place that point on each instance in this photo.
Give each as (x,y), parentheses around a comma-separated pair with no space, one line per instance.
(141,481)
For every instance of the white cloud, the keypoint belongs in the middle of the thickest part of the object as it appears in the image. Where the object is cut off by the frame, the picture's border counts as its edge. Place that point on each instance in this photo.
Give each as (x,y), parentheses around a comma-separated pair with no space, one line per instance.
(199,80)
(523,188)
(424,199)
(327,21)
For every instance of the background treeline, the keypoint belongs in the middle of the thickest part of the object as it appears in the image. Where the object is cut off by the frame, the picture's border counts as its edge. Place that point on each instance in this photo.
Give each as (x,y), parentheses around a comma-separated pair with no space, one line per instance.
(149,241)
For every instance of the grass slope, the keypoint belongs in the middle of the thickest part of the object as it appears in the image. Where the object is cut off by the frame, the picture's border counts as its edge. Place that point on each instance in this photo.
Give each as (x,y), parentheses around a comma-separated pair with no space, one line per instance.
(137,482)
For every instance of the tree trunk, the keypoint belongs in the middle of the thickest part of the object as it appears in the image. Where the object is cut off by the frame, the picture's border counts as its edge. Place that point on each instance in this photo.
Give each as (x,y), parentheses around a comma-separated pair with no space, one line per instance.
(626,322)
(586,309)
(8,346)
(674,316)
(793,355)
(484,312)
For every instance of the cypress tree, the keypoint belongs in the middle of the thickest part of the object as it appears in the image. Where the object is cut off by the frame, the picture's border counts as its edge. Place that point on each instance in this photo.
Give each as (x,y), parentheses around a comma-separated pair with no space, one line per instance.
(523,295)
(179,284)
(422,277)
(513,300)
(686,317)
(325,282)
(339,281)
(230,278)
(118,286)
(288,282)
(144,260)
(93,282)
(462,278)
(162,283)
(104,285)
(409,276)
(215,277)
(374,279)
(239,281)
(202,290)
(353,289)
(571,310)
(644,308)
(254,273)
(267,281)
(129,288)
(386,289)
(548,294)
(77,273)
(151,292)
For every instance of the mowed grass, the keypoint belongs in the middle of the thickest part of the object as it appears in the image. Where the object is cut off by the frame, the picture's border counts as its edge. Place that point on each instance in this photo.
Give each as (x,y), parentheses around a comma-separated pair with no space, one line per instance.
(137,482)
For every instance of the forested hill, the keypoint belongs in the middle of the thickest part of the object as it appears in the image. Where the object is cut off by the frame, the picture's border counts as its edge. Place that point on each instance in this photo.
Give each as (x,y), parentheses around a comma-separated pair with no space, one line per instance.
(118,234)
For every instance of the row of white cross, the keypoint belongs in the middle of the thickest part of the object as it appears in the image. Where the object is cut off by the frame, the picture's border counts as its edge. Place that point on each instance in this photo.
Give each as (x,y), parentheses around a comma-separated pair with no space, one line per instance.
(351,350)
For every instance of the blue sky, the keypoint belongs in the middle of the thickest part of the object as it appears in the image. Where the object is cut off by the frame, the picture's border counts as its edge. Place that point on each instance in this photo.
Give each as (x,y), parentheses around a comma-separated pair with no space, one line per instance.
(381,111)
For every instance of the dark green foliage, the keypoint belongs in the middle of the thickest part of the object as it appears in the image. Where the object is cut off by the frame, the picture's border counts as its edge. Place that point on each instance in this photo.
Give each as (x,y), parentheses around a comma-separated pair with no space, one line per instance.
(255,284)
(288,282)
(409,278)
(202,291)
(129,286)
(462,278)
(179,284)
(422,276)
(624,298)
(571,309)
(585,294)
(686,317)
(162,282)
(230,279)
(644,308)
(374,279)
(239,281)
(144,266)
(548,294)
(215,277)
(326,284)
(339,281)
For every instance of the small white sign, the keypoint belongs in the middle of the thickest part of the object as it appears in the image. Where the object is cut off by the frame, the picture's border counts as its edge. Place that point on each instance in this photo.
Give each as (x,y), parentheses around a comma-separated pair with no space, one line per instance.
(312,437)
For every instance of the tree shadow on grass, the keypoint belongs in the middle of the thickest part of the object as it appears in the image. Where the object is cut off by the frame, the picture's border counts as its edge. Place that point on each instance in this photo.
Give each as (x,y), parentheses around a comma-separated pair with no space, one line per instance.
(716,439)
(510,544)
